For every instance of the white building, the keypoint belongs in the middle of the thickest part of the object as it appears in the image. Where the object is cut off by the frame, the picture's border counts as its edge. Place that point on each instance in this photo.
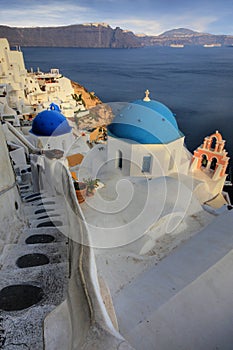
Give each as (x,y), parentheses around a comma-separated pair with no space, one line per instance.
(26,94)
(144,139)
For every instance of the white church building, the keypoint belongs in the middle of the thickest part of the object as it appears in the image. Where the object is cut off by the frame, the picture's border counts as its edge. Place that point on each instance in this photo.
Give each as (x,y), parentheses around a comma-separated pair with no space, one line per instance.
(144,139)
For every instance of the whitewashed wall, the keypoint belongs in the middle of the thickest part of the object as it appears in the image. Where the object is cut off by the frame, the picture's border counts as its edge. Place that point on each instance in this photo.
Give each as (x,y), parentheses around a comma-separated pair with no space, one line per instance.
(10,202)
(166,158)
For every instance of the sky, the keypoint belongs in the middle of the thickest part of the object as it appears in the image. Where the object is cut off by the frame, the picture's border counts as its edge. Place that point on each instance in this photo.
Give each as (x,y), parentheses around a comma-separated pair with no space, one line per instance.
(150,17)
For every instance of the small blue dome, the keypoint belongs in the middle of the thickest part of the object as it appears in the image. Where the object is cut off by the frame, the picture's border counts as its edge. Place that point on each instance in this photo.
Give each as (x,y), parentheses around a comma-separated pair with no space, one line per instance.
(50,123)
(146,122)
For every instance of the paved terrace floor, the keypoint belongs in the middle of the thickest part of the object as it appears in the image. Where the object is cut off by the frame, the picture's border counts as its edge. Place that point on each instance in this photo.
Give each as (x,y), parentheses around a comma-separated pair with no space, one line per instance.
(186,301)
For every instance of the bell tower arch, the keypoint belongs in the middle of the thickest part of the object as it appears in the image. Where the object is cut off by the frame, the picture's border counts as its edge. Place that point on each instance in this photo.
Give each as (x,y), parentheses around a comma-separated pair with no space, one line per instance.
(211,157)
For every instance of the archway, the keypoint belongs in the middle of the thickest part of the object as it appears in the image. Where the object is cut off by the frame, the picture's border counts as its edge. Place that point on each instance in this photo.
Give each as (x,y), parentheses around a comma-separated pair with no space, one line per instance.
(204,161)
(213,163)
(213,142)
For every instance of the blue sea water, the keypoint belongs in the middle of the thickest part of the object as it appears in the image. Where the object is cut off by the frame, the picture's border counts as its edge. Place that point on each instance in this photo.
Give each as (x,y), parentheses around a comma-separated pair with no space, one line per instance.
(196,83)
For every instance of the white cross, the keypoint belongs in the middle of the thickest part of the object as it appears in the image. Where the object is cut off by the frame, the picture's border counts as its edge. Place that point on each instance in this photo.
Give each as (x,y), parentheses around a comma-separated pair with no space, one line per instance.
(147,98)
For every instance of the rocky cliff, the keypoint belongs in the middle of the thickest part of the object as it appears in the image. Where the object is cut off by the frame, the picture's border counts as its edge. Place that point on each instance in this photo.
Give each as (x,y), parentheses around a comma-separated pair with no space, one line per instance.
(83,35)
(100,35)
(89,98)
(99,113)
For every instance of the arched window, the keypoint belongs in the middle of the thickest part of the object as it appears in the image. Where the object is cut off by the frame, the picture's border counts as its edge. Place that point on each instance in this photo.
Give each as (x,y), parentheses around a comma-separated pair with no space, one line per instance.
(119,160)
(204,161)
(213,142)
(213,163)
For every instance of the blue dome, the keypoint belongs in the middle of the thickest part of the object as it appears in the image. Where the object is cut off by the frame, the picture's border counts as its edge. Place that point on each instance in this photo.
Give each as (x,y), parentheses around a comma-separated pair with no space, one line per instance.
(50,123)
(146,122)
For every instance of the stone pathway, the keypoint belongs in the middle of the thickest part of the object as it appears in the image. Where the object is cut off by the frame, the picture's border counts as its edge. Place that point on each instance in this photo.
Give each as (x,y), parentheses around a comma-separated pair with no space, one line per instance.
(28,293)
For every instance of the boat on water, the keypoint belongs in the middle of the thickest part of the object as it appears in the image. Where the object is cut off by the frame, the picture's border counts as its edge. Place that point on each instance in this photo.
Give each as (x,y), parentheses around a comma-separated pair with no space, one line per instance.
(212,45)
(178,46)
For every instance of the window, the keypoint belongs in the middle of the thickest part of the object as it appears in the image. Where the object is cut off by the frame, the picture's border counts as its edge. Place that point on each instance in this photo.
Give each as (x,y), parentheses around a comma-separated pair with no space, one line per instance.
(213,143)
(204,161)
(119,161)
(146,164)
(213,164)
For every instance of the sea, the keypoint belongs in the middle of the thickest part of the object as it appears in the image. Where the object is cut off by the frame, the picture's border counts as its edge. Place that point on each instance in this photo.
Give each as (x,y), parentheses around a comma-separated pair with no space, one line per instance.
(196,83)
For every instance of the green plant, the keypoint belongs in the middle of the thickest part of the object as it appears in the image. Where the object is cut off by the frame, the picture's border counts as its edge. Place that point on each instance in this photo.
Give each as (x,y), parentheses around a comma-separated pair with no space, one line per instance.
(91,184)
(78,98)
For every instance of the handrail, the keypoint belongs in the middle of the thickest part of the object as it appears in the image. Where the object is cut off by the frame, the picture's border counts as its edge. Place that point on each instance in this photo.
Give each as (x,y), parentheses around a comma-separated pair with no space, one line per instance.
(22,139)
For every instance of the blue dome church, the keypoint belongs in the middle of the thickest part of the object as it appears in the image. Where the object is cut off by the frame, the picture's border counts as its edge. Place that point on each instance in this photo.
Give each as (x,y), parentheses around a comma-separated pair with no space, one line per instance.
(51,130)
(144,139)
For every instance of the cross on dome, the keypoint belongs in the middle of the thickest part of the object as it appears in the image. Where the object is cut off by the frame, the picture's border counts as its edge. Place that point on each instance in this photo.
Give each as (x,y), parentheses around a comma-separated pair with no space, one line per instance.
(147,98)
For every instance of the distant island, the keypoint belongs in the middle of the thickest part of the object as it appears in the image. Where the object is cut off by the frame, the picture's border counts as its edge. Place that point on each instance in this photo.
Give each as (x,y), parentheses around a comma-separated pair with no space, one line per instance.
(101,35)
(187,37)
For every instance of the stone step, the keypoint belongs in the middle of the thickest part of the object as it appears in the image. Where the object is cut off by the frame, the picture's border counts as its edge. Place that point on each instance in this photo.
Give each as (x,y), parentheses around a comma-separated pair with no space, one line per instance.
(54,253)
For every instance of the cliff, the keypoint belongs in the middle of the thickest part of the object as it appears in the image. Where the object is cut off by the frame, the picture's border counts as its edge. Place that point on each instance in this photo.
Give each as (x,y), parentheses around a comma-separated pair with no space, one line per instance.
(99,113)
(89,98)
(101,35)
(81,35)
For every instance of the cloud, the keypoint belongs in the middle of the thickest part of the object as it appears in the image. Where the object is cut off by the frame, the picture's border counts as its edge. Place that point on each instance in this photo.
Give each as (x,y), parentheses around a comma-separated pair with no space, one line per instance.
(37,14)
(150,17)
(155,26)
(138,25)
(198,23)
